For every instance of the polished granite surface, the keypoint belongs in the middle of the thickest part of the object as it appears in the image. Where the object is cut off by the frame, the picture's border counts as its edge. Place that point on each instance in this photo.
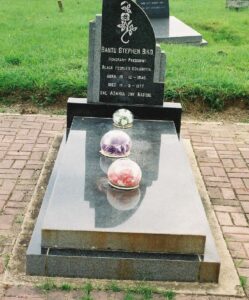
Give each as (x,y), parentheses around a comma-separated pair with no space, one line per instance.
(164,215)
(173,30)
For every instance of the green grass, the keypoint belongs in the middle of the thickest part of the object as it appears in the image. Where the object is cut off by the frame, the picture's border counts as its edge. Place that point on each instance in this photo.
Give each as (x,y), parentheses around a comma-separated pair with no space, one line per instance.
(19,219)
(66,287)
(87,288)
(145,291)
(87,297)
(129,296)
(43,53)
(113,286)
(6,259)
(50,285)
(169,295)
(140,290)
(47,286)
(243,281)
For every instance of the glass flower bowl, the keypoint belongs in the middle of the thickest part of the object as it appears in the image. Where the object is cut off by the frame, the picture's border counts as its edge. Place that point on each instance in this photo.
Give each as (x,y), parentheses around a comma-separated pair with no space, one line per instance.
(124,174)
(123,118)
(115,143)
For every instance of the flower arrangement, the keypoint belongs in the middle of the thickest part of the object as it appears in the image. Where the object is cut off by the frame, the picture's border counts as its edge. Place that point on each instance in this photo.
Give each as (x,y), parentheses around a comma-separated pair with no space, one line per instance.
(123,118)
(124,174)
(115,143)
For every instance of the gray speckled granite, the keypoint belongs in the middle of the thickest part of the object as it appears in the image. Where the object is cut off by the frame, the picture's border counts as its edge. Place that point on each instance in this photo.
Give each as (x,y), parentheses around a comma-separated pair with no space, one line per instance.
(123,268)
(172,30)
(94,59)
(85,212)
(116,265)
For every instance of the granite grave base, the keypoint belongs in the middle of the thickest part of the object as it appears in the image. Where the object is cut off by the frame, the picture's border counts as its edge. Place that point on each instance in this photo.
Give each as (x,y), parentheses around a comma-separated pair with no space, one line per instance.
(53,257)
(173,31)
(169,111)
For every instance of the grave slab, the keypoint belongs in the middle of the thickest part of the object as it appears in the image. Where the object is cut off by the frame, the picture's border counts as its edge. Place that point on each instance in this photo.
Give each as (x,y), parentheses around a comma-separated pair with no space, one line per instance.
(107,264)
(84,210)
(169,29)
(174,31)
(96,264)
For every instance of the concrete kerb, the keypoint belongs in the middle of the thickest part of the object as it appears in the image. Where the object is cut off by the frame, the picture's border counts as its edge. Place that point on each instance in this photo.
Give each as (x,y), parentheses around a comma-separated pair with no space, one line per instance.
(229,284)
(202,122)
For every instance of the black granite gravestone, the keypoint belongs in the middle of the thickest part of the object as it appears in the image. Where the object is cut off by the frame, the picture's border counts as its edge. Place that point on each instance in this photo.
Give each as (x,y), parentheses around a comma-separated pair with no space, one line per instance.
(128,50)
(155,8)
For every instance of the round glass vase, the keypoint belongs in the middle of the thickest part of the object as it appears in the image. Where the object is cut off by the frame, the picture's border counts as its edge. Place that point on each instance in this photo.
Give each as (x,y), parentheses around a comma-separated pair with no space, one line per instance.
(124,174)
(123,118)
(115,143)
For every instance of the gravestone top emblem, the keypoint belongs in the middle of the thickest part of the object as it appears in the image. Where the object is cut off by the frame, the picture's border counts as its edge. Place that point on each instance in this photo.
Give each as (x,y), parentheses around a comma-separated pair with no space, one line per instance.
(126,26)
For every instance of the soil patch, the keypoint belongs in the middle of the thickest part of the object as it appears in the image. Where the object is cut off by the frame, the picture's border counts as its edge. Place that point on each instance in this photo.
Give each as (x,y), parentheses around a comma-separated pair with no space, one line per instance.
(238,113)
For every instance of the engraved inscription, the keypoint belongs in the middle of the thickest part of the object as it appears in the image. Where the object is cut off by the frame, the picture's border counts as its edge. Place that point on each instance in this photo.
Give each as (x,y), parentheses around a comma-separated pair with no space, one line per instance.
(127,81)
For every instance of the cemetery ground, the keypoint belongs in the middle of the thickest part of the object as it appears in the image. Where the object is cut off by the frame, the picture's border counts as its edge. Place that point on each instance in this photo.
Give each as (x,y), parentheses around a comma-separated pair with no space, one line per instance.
(43,53)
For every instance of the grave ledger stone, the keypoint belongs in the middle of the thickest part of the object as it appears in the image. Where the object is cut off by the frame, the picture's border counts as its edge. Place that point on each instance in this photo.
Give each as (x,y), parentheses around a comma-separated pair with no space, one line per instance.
(169,29)
(86,228)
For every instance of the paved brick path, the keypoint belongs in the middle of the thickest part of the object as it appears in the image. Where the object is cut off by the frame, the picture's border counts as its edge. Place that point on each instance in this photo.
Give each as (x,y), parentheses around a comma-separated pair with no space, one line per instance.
(222,152)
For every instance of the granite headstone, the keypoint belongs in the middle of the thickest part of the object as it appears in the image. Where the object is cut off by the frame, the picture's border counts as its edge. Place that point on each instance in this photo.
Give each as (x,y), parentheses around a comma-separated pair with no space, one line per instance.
(169,29)
(237,3)
(125,64)
(155,8)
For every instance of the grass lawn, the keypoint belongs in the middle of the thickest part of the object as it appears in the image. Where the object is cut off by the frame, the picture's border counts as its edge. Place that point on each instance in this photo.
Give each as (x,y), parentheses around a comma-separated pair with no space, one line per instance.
(43,52)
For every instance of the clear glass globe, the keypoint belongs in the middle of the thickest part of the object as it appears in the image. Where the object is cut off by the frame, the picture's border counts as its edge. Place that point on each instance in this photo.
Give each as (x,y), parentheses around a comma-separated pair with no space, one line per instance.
(115,143)
(123,118)
(124,174)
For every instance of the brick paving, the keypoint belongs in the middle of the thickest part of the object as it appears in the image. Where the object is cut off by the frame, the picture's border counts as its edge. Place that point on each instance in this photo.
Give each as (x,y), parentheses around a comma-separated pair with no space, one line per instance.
(222,153)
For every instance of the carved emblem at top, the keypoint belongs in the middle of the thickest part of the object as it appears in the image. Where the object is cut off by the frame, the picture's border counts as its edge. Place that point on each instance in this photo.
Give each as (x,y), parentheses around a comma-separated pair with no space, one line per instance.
(126,26)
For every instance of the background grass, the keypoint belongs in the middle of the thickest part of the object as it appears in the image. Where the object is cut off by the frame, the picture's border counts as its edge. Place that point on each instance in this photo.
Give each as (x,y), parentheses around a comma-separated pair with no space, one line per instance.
(43,52)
